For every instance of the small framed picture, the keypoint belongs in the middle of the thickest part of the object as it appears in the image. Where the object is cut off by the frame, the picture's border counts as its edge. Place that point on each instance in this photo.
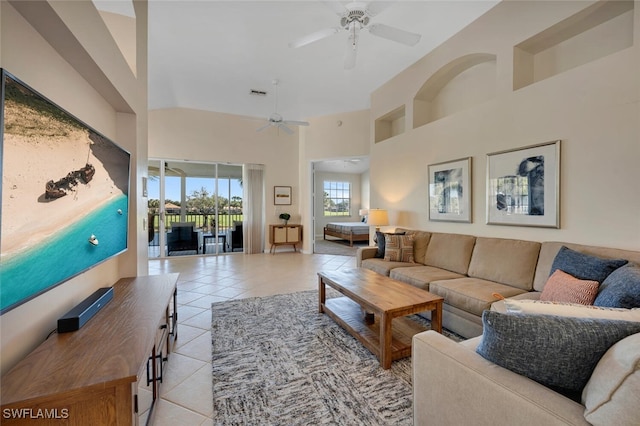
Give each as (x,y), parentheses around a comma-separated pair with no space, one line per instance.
(523,186)
(282,195)
(450,191)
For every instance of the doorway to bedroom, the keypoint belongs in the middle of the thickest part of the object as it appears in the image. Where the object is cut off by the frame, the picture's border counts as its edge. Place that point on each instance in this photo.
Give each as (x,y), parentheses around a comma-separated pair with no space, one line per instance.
(340,195)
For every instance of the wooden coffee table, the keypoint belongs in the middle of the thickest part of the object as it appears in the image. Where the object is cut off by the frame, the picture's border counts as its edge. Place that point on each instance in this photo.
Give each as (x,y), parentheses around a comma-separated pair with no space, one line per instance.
(387,335)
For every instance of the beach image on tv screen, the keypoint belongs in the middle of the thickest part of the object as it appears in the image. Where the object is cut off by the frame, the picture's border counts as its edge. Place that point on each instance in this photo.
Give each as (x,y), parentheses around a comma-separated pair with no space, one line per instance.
(64,196)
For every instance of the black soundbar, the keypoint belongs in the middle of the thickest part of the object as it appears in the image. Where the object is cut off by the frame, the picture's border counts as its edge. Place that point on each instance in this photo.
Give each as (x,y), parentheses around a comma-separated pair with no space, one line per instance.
(85,310)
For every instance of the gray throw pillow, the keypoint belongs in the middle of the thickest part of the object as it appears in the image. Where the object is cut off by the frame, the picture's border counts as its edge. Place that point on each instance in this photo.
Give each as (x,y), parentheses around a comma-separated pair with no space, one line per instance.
(621,289)
(558,352)
(584,266)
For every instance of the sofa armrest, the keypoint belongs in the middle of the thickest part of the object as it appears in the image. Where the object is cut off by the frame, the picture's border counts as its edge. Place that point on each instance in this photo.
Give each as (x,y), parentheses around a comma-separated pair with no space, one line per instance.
(453,385)
(365,253)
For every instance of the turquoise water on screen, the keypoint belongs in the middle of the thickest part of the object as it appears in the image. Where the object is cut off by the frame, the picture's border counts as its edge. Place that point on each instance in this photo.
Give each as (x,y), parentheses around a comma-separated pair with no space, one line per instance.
(65,254)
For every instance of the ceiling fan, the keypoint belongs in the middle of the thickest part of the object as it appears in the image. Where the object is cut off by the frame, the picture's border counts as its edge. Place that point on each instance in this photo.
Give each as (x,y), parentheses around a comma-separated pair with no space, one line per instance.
(354,17)
(276,120)
(168,171)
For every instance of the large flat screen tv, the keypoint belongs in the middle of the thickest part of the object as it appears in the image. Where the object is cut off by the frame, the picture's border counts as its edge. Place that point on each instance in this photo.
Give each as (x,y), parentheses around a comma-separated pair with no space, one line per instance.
(65,195)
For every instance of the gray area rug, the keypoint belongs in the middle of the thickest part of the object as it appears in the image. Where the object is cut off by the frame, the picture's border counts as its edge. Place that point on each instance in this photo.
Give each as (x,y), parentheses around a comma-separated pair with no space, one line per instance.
(277,361)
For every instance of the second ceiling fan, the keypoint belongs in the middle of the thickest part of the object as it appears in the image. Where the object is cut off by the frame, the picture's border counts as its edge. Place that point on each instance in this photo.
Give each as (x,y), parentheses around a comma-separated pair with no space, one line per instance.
(354,17)
(276,120)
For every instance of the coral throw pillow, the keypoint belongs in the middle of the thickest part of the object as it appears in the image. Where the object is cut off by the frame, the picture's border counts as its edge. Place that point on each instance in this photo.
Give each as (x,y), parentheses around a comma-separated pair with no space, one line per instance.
(562,287)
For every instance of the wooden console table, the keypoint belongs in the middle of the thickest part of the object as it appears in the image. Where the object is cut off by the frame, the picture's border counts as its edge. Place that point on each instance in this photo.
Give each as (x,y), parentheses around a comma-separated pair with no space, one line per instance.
(107,372)
(284,235)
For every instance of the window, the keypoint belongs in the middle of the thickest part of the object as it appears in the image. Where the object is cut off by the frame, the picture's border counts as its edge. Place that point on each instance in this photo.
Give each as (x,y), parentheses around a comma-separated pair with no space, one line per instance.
(337,198)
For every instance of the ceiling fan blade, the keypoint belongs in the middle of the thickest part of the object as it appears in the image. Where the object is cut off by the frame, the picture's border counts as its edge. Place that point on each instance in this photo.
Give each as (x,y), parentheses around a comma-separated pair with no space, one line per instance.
(259,129)
(313,37)
(336,6)
(394,34)
(375,7)
(295,123)
(285,128)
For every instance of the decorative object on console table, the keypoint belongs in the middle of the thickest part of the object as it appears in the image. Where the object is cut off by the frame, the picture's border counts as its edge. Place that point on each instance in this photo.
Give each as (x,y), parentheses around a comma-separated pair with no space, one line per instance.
(450,191)
(378,218)
(282,195)
(523,186)
(284,235)
(285,217)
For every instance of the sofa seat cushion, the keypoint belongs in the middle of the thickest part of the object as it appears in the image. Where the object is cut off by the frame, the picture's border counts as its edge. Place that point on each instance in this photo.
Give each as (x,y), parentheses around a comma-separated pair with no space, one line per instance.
(384,267)
(472,295)
(421,276)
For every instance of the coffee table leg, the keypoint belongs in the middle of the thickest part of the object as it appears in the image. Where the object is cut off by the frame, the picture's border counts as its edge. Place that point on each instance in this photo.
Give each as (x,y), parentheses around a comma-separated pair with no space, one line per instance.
(321,293)
(436,318)
(385,340)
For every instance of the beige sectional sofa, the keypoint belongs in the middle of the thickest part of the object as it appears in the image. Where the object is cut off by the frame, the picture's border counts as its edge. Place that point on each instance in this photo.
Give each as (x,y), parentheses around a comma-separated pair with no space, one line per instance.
(469,271)
(452,383)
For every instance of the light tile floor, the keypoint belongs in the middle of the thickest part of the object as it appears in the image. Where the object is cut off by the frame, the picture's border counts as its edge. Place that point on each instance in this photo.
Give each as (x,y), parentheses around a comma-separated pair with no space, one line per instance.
(186,395)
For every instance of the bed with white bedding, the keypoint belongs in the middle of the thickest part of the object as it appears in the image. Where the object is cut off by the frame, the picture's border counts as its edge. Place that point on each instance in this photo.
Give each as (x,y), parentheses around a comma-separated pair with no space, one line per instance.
(350,231)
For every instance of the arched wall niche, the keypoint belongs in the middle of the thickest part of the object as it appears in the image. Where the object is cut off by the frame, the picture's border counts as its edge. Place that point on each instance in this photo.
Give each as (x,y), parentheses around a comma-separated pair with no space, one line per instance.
(464,82)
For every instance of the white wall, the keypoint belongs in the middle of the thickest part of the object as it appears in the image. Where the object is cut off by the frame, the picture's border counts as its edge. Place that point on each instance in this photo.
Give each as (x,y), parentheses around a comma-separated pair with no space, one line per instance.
(114,103)
(592,108)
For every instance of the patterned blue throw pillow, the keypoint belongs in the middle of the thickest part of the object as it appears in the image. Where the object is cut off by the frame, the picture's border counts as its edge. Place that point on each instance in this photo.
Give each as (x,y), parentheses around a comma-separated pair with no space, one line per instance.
(621,289)
(558,352)
(584,266)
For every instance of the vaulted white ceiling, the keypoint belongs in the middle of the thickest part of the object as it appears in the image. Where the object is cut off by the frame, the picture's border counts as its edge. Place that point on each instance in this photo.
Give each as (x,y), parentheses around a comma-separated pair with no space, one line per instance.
(209,55)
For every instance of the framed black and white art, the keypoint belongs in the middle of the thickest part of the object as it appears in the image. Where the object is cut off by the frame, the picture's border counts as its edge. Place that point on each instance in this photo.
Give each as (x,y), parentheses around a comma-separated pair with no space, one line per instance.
(523,186)
(450,191)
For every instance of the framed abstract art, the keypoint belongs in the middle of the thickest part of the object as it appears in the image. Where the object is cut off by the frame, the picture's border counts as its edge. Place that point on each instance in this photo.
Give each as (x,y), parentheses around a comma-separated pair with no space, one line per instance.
(523,186)
(450,191)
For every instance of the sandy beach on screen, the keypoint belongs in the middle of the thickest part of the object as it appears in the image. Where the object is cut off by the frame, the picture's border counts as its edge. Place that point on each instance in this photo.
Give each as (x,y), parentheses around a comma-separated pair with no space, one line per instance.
(30,162)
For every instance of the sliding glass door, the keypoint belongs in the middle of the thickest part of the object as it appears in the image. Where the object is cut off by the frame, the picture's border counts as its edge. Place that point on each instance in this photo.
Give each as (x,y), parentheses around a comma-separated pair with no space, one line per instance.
(194,208)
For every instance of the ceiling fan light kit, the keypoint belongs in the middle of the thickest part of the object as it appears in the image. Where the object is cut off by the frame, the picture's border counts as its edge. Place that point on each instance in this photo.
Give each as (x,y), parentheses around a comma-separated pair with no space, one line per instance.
(354,17)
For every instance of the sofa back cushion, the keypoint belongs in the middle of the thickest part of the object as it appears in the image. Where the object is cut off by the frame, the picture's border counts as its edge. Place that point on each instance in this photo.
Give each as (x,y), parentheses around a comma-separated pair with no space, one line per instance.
(450,251)
(550,249)
(420,243)
(511,262)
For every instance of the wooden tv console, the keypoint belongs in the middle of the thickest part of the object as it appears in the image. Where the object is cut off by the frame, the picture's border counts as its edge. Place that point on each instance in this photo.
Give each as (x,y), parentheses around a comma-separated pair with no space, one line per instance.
(107,372)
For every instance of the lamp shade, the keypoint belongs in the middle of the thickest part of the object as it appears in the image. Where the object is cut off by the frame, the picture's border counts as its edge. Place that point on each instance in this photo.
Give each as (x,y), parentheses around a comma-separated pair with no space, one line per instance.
(378,217)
